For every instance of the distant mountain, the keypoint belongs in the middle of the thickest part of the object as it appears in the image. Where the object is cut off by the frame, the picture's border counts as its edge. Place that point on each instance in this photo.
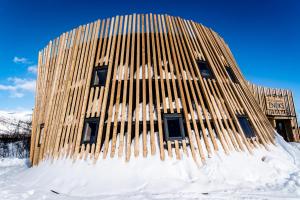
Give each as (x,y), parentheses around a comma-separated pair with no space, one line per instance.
(15,122)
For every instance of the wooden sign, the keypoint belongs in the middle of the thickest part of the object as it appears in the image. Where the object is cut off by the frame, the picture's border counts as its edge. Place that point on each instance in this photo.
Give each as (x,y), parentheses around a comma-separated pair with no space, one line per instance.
(276,105)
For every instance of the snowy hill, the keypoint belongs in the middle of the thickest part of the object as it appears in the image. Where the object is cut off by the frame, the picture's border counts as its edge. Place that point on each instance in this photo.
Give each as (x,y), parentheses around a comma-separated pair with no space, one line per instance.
(273,174)
(15,121)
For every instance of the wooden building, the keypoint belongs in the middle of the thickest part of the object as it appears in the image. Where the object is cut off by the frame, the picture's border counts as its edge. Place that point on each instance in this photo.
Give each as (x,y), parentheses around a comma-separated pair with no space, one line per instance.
(278,105)
(143,84)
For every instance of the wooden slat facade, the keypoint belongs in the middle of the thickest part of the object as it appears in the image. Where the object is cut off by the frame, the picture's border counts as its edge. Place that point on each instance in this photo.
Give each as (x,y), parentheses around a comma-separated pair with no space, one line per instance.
(278,105)
(153,70)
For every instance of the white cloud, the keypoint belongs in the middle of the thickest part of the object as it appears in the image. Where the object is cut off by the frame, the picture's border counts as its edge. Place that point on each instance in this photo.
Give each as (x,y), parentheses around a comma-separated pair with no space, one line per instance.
(21,60)
(7,87)
(18,87)
(24,84)
(32,69)
(17,95)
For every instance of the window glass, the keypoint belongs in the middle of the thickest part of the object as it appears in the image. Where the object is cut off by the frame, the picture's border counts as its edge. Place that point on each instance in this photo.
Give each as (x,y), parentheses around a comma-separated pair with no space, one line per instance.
(90,131)
(41,134)
(99,76)
(205,70)
(246,126)
(173,125)
(231,74)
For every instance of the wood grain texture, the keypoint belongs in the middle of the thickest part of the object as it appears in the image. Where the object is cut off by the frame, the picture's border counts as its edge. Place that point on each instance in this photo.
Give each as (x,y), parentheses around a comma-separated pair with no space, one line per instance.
(152,70)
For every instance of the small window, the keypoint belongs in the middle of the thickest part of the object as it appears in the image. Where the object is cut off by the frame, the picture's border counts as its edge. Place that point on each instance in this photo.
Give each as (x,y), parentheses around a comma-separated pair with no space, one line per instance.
(231,74)
(205,70)
(90,131)
(99,76)
(41,134)
(246,126)
(173,125)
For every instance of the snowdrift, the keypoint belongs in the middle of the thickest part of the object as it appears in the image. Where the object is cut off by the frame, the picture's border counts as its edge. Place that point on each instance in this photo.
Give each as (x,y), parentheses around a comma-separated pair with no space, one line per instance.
(265,174)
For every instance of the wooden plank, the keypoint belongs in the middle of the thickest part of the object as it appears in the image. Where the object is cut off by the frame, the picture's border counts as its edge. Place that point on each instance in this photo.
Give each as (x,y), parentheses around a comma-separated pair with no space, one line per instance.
(189,80)
(182,94)
(90,64)
(158,101)
(137,101)
(159,59)
(216,121)
(112,36)
(100,102)
(232,127)
(130,103)
(86,51)
(144,89)
(203,109)
(113,88)
(85,60)
(100,42)
(178,157)
(95,102)
(70,81)
(118,68)
(45,96)
(88,112)
(212,135)
(224,117)
(165,76)
(126,75)
(65,95)
(228,105)
(150,77)
(157,56)
(166,62)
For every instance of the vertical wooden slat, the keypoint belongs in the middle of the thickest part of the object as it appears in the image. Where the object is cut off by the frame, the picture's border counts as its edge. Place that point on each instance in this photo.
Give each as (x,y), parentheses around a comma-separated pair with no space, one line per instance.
(87,83)
(113,88)
(112,36)
(157,94)
(117,102)
(144,88)
(152,71)
(150,77)
(124,100)
(137,101)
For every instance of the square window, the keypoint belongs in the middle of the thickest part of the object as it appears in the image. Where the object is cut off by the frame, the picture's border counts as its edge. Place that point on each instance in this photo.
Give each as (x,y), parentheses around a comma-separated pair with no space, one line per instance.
(90,131)
(99,76)
(231,74)
(41,134)
(205,70)
(173,126)
(246,126)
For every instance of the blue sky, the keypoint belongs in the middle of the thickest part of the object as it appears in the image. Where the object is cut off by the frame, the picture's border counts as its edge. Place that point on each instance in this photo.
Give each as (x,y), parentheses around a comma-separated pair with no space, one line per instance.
(264,36)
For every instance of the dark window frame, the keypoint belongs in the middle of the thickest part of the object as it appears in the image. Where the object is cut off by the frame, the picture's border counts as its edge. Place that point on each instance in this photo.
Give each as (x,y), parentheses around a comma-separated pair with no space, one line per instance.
(95,73)
(41,134)
(231,74)
(173,116)
(86,121)
(205,69)
(246,126)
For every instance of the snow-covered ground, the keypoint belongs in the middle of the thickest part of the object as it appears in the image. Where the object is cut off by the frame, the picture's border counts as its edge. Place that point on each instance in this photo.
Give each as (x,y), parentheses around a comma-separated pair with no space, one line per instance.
(273,174)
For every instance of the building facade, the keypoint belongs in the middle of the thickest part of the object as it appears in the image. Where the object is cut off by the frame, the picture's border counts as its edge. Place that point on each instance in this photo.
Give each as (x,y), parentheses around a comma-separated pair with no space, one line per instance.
(279,107)
(143,84)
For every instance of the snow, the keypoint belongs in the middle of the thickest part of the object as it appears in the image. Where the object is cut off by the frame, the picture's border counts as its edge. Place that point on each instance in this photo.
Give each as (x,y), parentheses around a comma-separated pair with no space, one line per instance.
(146,72)
(273,174)
(16,115)
(10,119)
